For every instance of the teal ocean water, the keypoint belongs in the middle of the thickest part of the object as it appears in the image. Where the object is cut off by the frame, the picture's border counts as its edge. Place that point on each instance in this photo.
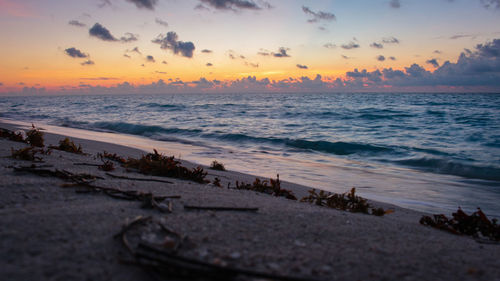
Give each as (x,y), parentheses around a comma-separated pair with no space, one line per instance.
(424,151)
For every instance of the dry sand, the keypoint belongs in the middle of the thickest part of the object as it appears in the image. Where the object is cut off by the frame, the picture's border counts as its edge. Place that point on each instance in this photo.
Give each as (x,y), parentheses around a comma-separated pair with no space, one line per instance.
(52,233)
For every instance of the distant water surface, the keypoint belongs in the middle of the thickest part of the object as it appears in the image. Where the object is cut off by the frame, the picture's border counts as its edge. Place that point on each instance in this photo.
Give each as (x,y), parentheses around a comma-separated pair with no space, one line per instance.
(424,151)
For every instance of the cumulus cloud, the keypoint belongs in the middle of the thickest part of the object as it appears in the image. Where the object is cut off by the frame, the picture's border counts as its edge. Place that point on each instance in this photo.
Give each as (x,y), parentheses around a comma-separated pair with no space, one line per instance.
(234,5)
(318,16)
(330,46)
(301,66)
(491,4)
(129,37)
(376,45)
(144,4)
(101,32)
(150,58)
(75,53)
(76,23)
(350,45)
(381,58)
(433,62)
(161,22)
(396,4)
(282,53)
(170,41)
(87,62)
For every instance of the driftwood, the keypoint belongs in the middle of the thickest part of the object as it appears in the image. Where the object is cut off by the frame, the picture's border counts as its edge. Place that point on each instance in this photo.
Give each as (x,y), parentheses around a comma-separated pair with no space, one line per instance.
(216,208)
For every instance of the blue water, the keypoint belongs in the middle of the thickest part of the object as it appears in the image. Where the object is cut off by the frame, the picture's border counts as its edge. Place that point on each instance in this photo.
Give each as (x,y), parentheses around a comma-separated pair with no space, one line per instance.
(454,138)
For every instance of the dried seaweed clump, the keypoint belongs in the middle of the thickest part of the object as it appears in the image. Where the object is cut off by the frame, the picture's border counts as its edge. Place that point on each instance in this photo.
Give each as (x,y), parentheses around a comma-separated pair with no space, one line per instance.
(113,157)
(34,137)
(348,201)
(29,153)
(476,225)
(106,166)
(273,187)
(68,146)
(217,166)
(157,164)
(11,135)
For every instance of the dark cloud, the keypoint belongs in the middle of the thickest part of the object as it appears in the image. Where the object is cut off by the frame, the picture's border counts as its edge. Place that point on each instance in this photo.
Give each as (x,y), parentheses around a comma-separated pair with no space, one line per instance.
(135,50)
(209,64)
(144,4)
(282,53)
(392,58)
(491,4)
(301,66)
(170,42)
(150,59)
(318,16)
(376,45)
(87,62)
(75,53)
(350,45)
(330,46)
(161,22)
(264,52)
(255,65)
(206,51)
(433,62)
(437,52)
(76,23)
(381,58)
(459,36)
(395,4)
(101,32)
(129,37)
(390,40)
(234,5)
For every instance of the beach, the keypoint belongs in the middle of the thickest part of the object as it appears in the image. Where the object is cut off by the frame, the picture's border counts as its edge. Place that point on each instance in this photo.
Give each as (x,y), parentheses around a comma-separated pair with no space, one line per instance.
(51,232)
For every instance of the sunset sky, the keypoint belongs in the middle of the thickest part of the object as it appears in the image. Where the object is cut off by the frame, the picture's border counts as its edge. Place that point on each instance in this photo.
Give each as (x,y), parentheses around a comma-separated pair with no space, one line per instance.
(155,46)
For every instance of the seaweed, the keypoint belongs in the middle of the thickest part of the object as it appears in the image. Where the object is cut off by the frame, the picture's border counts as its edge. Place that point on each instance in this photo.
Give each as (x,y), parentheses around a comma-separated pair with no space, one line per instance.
(216,182)
(217,166)
(157,164)
(69,146)
(11,135)
(29,153)
(34,137)
(263,186)
(113,157)
(348,201)
(106,166)
(476,225)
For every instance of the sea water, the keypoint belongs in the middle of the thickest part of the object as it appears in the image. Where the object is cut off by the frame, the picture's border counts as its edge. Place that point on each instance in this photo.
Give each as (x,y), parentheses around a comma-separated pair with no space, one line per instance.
(429,152)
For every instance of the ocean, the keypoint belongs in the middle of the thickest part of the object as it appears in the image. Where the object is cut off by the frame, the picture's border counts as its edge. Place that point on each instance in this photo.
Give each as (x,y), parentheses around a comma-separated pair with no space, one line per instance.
(428,152)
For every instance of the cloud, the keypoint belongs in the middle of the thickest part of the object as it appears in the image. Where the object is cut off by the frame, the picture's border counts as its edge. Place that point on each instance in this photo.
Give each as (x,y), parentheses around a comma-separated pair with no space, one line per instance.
(318,16)
(330,46)
(1,84)
(144,4)
(390,40)
(150,58)
(99,78)
(135,50)
(376,45)
(76,23)
(433,62)
(345,57)
(437,52)
(170,42)
(282,53)
(127,56)
(75,53)
(234,5)
(350,45)
(164,62)
(381,58)
(101,32)
(160,72)
(104,3)
(161,22)
(491,4)
(395,4)
(129,37)
(392,58)
(87,62)
(209,64)
(206,51)
(459,36)
(301,66)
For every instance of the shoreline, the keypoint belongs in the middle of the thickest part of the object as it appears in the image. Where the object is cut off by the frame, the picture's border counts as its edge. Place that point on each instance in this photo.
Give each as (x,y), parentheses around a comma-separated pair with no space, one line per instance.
(55,233)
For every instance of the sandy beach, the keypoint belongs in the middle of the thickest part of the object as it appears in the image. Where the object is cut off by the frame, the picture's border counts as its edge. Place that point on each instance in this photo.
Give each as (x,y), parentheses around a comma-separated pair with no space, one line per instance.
(51,232)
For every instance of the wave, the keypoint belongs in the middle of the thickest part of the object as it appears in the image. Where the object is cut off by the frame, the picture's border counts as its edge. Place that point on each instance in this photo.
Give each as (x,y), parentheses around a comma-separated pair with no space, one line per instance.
(158,105)
(142,130)
(451,167)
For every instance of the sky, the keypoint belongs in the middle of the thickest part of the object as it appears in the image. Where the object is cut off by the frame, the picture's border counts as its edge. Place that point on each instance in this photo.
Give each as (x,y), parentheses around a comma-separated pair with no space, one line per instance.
(184,46)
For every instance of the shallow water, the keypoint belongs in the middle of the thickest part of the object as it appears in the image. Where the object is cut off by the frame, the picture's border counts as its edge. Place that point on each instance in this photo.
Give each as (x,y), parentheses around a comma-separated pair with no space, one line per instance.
(430,152)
